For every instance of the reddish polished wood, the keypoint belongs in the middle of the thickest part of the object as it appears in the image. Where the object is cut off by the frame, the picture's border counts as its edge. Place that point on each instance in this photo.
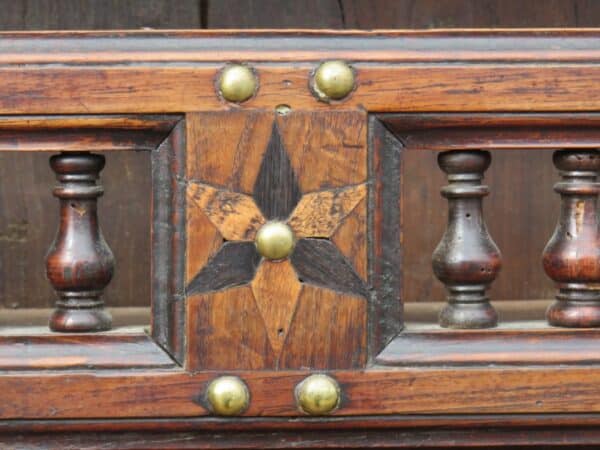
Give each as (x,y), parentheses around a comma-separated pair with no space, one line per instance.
(466,260)
(79,264)
(572,257)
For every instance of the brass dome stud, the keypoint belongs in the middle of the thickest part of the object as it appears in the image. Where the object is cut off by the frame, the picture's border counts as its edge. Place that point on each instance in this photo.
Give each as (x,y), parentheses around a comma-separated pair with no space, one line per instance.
(333,80)
(227,396)
(237,83)
(275,240)
(318,395)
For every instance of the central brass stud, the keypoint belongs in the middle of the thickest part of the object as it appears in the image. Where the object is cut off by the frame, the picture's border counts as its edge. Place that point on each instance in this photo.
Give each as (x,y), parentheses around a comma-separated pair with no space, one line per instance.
(237,83)
(275,240)
(227,396)
(318,394)
(333,80)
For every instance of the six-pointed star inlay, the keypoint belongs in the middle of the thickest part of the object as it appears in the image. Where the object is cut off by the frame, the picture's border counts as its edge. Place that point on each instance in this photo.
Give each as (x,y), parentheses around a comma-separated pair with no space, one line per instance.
(313,217)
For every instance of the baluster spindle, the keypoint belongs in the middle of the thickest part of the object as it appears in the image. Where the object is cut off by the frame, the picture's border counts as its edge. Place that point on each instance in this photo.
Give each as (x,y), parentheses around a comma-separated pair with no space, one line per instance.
(572,256)
(467,259)
(79,264)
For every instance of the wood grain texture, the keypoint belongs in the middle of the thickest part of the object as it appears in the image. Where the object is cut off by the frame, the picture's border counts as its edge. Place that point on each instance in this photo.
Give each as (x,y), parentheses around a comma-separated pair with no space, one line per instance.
(580,437)
(469,13)
(439,87)
(386,257)
(276,291)
(294,149)
(234,264)
(81,351)
(342,344)
(326,150)
(168,243)
(236,216)
(203,239)
(228,147)
(320,263)
(514,346)
(225,329)
(276,189)
(318,214)
(418,390)
(94,14)
(281,14)
(350,236)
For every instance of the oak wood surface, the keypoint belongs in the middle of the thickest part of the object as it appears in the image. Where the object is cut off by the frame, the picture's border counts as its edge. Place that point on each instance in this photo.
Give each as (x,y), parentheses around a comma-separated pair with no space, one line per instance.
(310,309)
(123,349)
(512,344)
(415,390)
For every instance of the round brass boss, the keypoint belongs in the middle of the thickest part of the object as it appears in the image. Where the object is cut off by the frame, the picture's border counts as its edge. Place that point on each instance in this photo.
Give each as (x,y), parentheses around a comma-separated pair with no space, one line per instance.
(318,394)
(333,80)
(227,396)
(237,83)
(275,240)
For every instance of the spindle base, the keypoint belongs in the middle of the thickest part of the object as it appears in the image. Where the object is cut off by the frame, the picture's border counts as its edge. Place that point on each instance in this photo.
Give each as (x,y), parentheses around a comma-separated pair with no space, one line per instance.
(89,316)
(468,316)
(574,314)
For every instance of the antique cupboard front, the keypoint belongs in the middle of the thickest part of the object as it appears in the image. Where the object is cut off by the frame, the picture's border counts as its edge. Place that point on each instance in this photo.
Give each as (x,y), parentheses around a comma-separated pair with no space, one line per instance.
(277,240)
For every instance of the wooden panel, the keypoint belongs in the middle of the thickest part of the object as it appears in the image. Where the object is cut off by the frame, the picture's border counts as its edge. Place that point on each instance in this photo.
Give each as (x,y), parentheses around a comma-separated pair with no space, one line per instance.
(422,390)
(87,351)
(319,214)
(93,14)
(300,148)
(168,243)
(387,228)
(341,344)
(580,437)
(530,343)
(349,238)
(442,87)
(275,14)
(470,13)
(225,329)
(276,291)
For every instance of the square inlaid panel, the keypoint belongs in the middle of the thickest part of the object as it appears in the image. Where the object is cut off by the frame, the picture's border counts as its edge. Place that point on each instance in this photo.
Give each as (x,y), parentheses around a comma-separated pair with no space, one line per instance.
(309,172)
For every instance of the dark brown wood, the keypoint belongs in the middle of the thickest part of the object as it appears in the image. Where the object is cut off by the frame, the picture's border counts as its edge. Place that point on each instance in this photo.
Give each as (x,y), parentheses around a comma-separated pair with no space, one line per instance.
(572,257)
(168,242)
(319,262)
(385,231)
(126,350)
(579,437)
(517,344)
(79,263)
(234,264)
(276,191)
(466,260)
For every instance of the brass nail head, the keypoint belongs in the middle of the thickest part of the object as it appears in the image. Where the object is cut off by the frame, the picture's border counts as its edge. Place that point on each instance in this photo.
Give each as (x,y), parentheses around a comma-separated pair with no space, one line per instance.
(228,396)
(275,240)
(237,83)
(318,394)
(333,80)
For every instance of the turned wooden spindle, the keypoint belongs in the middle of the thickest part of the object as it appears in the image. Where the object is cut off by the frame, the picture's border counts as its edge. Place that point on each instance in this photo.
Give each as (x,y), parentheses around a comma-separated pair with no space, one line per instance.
(467,259)
(79,264)
(572,256)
